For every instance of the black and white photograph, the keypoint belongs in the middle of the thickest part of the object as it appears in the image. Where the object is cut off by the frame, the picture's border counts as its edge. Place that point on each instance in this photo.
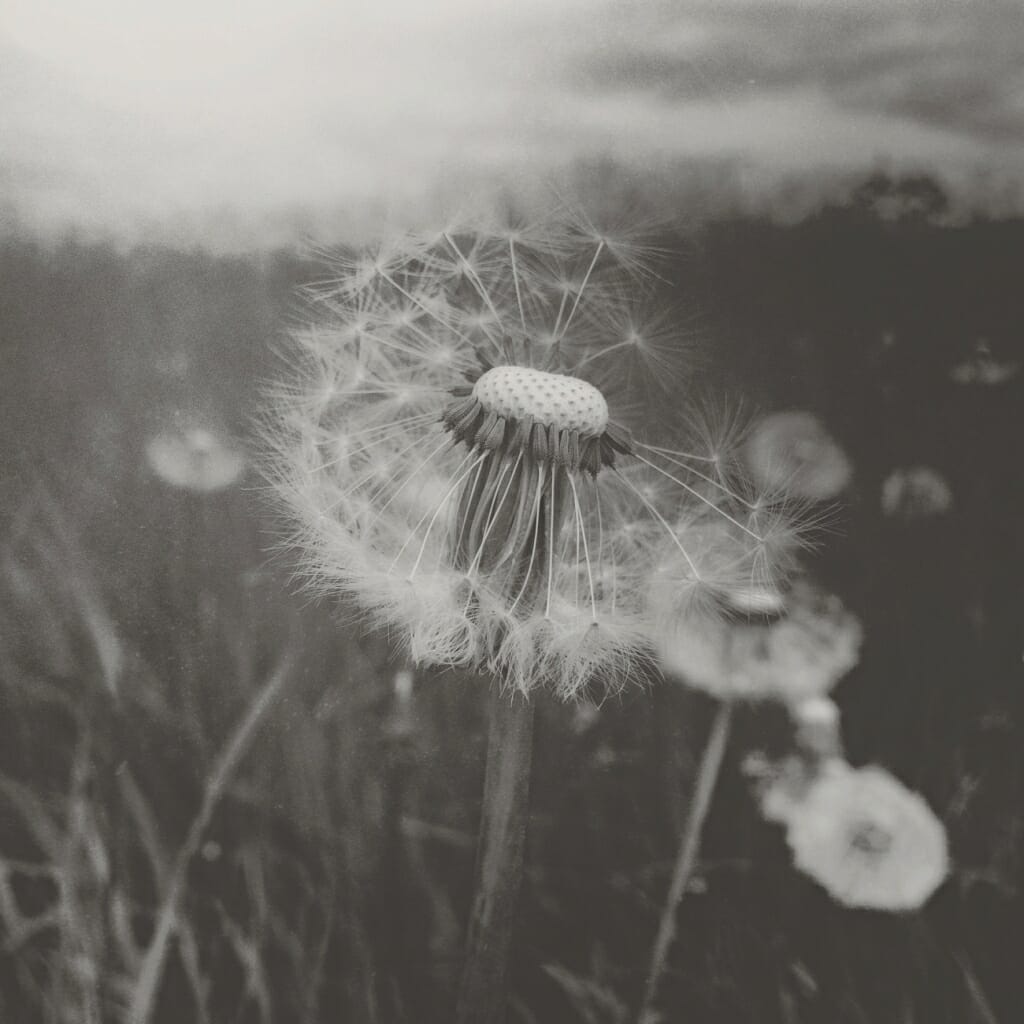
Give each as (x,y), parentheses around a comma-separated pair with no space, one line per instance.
(511,512)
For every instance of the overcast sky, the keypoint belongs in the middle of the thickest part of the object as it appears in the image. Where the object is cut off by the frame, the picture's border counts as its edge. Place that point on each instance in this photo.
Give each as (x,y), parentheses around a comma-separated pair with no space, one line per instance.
(129,115)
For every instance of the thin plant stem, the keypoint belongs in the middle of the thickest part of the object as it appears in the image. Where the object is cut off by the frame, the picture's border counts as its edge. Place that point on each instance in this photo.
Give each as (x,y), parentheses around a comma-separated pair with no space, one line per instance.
(979,1001)
(501,840)
(686,857)
(147,983)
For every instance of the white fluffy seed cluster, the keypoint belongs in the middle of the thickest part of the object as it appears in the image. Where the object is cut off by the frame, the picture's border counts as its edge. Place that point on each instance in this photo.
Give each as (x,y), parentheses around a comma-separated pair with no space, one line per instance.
(862,835)
(554,399)
(436,542)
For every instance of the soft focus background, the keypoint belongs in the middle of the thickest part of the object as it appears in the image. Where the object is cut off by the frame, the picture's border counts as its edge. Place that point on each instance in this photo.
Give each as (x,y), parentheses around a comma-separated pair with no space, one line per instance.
(254,125)
(219,799)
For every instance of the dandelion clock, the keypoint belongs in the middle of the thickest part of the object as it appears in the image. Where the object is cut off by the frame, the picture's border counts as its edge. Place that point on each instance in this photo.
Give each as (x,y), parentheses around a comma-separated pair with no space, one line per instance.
(477,451)
(468,451)
(863,836)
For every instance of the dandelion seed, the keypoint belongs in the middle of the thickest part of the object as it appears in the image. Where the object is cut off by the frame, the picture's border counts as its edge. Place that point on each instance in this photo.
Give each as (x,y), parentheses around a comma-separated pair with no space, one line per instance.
(916,492)
(862,835)
(465,458)
(195,458)
(792,452)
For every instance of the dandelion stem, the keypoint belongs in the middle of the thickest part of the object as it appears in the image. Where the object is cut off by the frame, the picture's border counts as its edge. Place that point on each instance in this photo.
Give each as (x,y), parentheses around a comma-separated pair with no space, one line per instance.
(686,857)
(979,1001)
(499,860)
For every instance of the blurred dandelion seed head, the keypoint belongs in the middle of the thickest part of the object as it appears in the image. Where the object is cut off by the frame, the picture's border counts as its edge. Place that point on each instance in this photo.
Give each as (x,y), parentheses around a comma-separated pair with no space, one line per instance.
(916,492)
(195,458)
(983,365)
(792,452)
(793,657)
(467,448)
(862,835)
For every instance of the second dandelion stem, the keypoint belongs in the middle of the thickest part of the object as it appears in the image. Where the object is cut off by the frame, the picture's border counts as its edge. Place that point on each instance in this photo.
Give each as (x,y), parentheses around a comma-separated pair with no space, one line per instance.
(686,857)
(499,868)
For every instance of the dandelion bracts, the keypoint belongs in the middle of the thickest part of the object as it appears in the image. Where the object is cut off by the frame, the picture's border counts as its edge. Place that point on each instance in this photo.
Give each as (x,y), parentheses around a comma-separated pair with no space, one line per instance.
(477,452)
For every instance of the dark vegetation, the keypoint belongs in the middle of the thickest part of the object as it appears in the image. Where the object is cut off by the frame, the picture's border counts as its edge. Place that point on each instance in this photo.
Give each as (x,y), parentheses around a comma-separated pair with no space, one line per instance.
(139,623)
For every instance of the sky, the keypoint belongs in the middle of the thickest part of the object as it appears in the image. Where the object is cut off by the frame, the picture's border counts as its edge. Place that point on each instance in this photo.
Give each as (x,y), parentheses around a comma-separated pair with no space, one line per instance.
(210,119)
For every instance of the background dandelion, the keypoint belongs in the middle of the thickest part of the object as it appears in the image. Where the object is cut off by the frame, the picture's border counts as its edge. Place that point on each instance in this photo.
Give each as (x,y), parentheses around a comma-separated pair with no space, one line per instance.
(863,836)
(794,652)
(790,646)
(195,458)
(916,492)
(794,453)
(984,366)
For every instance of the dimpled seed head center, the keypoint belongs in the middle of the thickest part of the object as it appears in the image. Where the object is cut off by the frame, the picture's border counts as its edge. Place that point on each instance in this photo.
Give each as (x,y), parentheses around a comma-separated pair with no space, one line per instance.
(554,399)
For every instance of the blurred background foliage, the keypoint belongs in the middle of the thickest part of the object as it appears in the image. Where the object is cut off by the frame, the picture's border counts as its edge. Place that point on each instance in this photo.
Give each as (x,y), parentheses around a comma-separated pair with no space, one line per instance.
(221,801)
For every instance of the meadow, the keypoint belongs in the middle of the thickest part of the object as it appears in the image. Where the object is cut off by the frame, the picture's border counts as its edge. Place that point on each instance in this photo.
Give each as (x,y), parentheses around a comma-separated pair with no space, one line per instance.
(224,800)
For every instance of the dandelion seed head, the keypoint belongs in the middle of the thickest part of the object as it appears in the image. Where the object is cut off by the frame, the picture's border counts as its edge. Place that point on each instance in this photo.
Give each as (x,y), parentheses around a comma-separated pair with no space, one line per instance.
(195,458)
(456,457)
(982,365)
(791,650)
(793,453)
(916,492)
(863,836)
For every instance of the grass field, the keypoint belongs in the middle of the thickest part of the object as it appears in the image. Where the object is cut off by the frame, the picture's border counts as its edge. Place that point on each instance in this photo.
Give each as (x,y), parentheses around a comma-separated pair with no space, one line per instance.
(223,801)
